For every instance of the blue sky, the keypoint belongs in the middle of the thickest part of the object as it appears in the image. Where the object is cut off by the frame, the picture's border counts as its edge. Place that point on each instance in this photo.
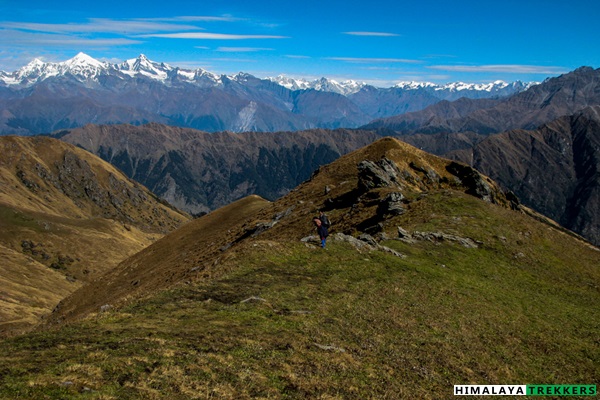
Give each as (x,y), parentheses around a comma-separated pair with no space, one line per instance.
(380,42)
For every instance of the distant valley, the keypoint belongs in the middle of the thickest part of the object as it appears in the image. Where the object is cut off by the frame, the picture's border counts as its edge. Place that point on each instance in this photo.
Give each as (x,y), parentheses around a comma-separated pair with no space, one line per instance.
(554,98)
(199,172)
(555,168)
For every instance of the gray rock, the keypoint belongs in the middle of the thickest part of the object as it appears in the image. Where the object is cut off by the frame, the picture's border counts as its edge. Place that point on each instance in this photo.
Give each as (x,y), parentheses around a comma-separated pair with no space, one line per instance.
(383,173)
(391,251)
(105,308)
(311,239)
(367,243)
(358,244)
(440,237)
(403,233)
(475,182)
(392,205)
(365,237)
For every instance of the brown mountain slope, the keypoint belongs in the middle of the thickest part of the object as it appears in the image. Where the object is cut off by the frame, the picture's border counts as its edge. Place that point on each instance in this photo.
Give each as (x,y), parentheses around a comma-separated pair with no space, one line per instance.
(554,169)
(66,216)
(29,290)
(553,98)
(190,252)
(198,171)
(392,175)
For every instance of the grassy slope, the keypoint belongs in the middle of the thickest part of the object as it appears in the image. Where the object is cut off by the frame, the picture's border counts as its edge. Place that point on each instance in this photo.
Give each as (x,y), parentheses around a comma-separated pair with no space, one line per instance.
(342,324)
(69,235)
(521,308)
(191,252)
(24,297)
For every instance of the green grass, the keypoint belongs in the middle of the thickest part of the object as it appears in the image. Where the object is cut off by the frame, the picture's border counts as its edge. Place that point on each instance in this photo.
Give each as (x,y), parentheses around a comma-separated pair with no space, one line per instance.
(333,324)
(13,218)
(339,324)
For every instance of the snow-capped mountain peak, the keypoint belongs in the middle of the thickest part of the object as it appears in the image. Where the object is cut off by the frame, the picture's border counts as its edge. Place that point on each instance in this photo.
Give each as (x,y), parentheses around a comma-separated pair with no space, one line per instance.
(290,83)
(144,66)
(36,71)
(412,85)
(322,84)
(83,60)
(82,66)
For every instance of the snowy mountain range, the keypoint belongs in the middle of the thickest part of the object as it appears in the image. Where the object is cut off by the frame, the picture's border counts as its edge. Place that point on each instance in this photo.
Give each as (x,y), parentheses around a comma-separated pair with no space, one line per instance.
(350,87)
(87,69)
(45,96)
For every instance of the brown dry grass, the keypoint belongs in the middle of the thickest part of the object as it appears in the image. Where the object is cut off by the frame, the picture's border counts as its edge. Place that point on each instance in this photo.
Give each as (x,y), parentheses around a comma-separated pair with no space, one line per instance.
(72,235)
(192,252)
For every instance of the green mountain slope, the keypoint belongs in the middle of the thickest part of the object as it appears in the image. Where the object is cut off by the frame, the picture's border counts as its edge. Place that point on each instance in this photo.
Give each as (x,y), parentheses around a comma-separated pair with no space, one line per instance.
(477,291)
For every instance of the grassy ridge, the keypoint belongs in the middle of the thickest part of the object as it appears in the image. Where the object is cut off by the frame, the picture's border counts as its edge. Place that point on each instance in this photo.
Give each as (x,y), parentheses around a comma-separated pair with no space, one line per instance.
(289,321)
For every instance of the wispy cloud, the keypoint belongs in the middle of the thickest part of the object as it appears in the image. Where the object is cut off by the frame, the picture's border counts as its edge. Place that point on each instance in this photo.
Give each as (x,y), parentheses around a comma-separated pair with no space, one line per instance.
(380,34)
(210,36)
(100,25)
(505,68)
(374,60)
(236,60)
(242,49)
(437,56)
(193,18)
(19,38)
(297,56)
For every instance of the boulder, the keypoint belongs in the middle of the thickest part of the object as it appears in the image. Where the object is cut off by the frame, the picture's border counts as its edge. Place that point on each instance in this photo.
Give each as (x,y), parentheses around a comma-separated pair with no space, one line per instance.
(392,205)
(382,173)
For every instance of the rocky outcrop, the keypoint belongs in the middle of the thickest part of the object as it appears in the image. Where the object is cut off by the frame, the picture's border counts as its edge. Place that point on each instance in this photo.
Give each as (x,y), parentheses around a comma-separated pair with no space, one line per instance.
(474,182)
(392,205)
(377,174)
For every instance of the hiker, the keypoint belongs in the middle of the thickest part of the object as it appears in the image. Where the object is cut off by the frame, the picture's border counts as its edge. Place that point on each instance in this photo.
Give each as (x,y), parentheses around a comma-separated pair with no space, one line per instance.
(324,220)
(321,230)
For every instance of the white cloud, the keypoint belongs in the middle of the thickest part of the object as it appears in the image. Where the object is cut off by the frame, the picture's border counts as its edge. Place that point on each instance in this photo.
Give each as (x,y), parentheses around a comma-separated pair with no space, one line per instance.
(19,38)
(100,25)
(379,34)
(210,36)
(236,60)
(505,68)
(194,18)
(242,49)
(374,60)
